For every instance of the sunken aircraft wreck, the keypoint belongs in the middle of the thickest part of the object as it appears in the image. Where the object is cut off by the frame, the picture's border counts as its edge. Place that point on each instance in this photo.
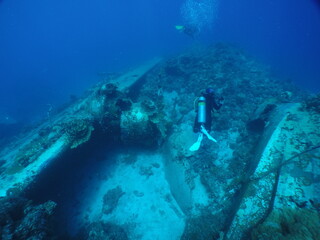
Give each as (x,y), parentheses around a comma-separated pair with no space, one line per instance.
(116,164)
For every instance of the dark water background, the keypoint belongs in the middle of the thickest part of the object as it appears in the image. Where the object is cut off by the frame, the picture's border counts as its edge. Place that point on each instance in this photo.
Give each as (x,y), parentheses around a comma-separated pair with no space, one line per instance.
(50,50)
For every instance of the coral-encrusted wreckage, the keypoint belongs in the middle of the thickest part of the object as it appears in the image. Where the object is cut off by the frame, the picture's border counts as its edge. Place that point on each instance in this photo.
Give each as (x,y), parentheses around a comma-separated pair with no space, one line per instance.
(261,180)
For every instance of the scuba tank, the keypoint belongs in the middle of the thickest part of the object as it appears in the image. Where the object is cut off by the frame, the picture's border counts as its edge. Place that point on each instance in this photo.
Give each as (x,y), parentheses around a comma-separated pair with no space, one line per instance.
(202,110)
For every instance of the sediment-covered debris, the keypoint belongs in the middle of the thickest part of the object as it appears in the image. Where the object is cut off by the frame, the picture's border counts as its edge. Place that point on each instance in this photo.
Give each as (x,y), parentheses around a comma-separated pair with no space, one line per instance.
(20,219)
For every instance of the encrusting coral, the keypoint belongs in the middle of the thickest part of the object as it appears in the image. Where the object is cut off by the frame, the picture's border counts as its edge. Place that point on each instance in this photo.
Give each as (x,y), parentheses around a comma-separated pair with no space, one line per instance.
(78,131)
(21,219)
(289,224)
(313,103)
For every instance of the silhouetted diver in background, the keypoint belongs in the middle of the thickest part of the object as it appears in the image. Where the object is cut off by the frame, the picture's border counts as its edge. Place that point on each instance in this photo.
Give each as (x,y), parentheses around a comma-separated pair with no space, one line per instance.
(191,31)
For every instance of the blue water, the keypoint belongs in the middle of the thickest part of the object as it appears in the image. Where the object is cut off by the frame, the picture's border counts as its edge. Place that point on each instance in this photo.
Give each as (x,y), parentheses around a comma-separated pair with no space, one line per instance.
(50,50)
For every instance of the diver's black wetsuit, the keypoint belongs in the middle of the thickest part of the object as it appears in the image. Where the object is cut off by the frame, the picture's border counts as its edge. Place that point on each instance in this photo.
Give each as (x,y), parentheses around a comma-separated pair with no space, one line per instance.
(212,102)
(191,31)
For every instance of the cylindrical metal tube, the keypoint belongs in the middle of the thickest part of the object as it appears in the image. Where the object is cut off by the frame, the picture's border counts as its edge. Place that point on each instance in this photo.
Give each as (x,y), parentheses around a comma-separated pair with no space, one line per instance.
(201,110)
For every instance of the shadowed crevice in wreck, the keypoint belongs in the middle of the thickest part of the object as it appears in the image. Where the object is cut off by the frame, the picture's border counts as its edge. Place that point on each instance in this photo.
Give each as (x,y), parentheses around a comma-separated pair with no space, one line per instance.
(64,179)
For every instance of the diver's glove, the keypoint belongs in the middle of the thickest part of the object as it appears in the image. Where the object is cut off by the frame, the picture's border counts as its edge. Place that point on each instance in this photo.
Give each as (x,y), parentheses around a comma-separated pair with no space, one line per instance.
(204,131)
(196,145)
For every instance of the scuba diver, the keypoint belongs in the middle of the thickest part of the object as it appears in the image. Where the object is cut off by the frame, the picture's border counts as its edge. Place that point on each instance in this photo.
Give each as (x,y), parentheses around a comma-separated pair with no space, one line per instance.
(191,31)
(206,104)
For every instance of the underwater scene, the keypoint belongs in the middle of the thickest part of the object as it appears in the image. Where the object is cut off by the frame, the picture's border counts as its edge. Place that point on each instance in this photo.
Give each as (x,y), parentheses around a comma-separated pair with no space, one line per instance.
(160,120)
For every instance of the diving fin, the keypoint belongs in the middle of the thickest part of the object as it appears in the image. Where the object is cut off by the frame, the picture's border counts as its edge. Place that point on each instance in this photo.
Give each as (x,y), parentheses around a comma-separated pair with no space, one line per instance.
(179,27)
(196,145)
(204,131)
